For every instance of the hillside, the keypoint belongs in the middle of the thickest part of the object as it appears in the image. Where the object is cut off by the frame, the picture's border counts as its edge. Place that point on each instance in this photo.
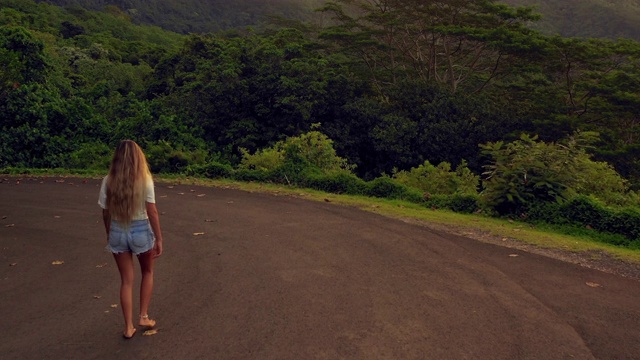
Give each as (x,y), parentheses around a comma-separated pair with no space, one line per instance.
(185,16)
(587,18)
(581,18)
(341,110)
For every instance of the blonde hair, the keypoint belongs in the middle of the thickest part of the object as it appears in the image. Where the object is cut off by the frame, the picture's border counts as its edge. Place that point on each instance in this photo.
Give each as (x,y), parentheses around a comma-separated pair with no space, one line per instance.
(128,175)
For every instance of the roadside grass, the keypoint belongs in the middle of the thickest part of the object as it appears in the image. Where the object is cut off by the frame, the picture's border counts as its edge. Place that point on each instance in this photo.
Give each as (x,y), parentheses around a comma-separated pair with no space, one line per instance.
(539,235)
(544,236)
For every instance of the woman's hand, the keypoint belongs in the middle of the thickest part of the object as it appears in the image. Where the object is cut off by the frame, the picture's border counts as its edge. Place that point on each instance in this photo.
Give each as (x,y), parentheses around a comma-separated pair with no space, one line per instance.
(154,220)
(157,249)
(106,219)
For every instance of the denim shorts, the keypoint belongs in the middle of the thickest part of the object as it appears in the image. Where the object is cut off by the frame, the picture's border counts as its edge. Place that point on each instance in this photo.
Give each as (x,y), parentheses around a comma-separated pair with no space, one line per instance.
(136,238)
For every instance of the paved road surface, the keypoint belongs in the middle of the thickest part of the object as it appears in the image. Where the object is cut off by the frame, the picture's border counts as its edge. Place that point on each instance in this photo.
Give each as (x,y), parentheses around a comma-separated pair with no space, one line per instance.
(277,277)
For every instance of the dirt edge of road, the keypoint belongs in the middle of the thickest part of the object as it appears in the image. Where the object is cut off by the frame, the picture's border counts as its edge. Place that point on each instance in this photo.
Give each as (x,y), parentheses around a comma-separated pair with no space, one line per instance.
(593,259)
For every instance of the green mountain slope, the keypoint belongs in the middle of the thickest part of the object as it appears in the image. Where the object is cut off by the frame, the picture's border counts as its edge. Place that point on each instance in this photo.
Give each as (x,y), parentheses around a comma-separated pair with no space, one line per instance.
(587,18)
(582,18)
(197,16)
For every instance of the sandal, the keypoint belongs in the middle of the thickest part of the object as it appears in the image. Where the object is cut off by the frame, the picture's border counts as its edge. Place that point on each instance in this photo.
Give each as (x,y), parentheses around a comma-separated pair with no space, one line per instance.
(124,334)
(146,322)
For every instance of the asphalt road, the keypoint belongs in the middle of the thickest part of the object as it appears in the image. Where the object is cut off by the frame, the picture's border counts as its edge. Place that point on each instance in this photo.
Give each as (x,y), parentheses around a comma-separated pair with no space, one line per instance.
(280,277)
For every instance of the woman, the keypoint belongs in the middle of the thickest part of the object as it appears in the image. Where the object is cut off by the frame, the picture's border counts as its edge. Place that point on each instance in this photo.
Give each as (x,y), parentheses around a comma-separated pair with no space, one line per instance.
(131,220)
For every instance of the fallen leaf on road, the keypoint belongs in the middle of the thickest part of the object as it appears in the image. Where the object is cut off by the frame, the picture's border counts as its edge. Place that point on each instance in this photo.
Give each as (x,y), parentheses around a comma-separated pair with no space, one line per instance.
(201,195)
(60,181)
(97,296)
(56,217)
(513,255)
(150,332)
(13,264)
(170,187)
(101,265)
(57,262)
(230,202)
(180,193)
(198,233)
(592,284)
(209,220)
(10,225)
(4,217)
(114,305)
(192,190)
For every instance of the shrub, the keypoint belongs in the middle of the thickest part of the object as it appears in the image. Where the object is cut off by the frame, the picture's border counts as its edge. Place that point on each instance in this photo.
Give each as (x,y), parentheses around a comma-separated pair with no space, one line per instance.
(385,187)
(211,170)
(250,175)
(583,211)
(549,212)
(625,221)
(316,148)
(523,172)
(461,203)
(293,172)
(263,160)
(440,179)
(341,182)
(163,158)
(526,172)
(91,156)
(311,149)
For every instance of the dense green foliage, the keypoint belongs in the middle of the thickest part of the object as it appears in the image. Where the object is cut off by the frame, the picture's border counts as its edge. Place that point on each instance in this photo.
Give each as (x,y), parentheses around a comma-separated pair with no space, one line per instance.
(363,105)
(585,212)
(440,179)
(525,171)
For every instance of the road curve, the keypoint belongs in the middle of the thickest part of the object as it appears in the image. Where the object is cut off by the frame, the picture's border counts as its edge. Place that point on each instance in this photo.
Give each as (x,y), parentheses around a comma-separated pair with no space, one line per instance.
(261,276)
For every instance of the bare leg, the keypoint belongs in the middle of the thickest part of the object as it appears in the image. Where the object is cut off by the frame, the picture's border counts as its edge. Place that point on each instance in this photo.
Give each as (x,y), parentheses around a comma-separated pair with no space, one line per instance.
(146,287)
(125,265)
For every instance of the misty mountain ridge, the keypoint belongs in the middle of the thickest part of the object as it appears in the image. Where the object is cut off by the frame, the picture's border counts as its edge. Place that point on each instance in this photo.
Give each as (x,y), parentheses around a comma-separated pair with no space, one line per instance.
(186,16)
(586,18)
(569,18)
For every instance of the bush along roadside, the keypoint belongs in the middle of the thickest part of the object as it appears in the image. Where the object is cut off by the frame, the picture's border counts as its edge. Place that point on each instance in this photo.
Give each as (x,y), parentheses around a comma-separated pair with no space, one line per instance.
(588,213)
(309,161)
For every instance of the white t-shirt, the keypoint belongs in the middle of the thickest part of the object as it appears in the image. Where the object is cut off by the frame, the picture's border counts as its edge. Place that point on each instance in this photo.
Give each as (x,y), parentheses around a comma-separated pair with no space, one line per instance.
(149,196)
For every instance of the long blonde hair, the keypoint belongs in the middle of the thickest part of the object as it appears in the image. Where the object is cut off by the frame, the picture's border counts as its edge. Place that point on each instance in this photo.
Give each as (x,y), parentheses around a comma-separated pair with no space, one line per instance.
(128,175)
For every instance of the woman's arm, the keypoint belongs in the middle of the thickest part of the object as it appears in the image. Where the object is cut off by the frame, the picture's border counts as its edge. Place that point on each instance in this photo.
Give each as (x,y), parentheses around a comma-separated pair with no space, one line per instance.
(106,218)
(154,220)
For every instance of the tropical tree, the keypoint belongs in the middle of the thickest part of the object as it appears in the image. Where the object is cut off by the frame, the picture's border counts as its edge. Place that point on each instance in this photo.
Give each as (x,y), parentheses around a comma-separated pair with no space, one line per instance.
(460,44)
